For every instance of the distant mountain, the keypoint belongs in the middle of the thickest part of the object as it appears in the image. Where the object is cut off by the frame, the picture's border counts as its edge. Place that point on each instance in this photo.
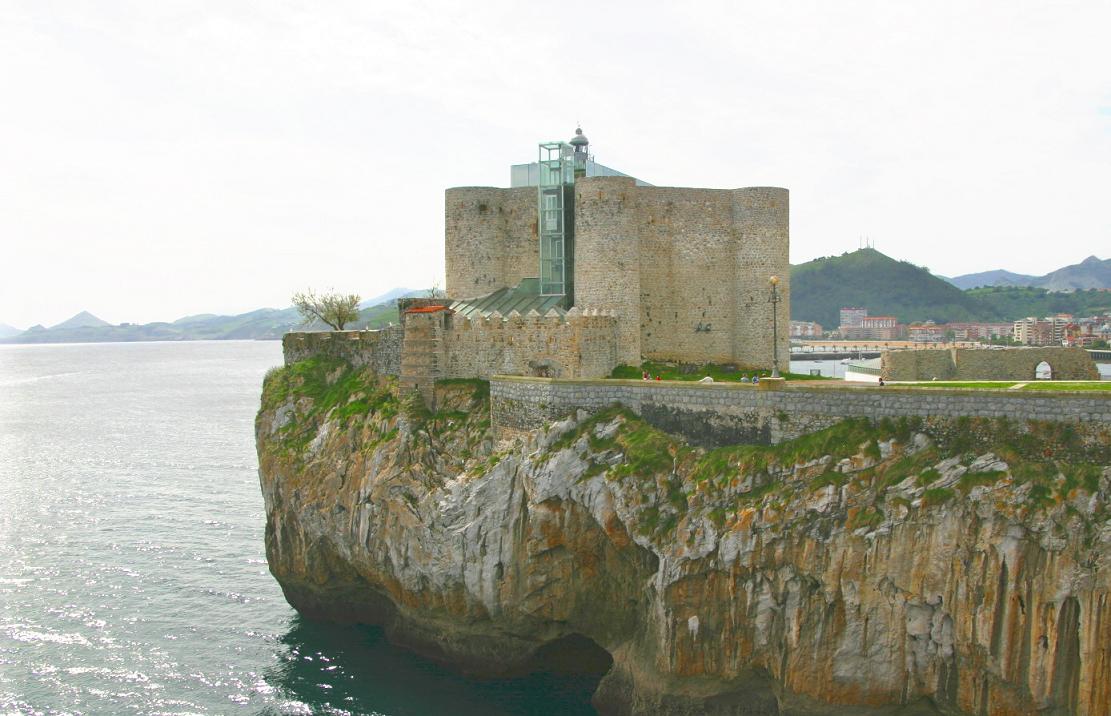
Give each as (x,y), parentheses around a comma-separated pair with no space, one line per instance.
(1089,273)
(7,331)
(81,320)
(1092,272)
(392,295)
(867,278)
(265,323)
(998,277)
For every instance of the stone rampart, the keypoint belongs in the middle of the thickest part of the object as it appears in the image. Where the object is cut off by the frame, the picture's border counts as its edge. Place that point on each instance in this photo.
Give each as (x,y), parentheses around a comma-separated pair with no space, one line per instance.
(577,345)
(988,364)
(721,414)
(381,350)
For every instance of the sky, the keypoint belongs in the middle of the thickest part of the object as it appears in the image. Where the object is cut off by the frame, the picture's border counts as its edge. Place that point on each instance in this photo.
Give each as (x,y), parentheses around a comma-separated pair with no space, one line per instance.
(160,159)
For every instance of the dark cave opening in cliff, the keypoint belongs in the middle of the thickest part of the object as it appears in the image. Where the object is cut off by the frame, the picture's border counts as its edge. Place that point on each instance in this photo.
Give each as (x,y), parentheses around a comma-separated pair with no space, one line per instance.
(572,655)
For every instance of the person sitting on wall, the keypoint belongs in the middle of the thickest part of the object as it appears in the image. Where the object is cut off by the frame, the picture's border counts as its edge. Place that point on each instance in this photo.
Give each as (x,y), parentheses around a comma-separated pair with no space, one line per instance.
(881,382)
(657,376)
(644,375)
(755,379)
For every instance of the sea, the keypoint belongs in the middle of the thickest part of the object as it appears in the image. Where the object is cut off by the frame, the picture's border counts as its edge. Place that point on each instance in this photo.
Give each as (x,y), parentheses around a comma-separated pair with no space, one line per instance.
(133,578)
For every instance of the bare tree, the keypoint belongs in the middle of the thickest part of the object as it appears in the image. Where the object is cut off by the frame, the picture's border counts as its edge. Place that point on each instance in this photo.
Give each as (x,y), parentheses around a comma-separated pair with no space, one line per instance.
(436,291)
(335,309)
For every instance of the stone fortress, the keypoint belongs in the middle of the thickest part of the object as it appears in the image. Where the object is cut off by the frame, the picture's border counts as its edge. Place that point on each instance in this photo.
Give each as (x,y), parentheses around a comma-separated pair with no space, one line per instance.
(580,268)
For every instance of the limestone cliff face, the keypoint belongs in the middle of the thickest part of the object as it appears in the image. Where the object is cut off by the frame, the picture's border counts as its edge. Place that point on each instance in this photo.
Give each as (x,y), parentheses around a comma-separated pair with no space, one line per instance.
(894,568)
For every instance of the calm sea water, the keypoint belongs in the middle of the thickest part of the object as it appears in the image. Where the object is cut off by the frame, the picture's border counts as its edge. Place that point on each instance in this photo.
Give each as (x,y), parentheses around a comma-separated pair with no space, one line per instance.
(132,572)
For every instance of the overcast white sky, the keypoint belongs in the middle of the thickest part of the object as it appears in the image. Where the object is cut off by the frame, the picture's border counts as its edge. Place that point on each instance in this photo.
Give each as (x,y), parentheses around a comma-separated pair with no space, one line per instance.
(173,157)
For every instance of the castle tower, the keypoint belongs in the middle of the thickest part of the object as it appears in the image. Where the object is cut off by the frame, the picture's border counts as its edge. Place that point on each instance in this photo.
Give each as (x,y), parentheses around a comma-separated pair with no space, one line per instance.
(761,221)
(607,254)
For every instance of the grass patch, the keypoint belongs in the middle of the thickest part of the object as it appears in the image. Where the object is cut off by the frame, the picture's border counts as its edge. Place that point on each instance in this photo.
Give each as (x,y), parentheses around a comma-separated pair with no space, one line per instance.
(333,387)
(722,373)
(962,384)
(867,516)
(1103,385)
(970,480)
(828,478)
(927,477)
(937,496)
(481,387)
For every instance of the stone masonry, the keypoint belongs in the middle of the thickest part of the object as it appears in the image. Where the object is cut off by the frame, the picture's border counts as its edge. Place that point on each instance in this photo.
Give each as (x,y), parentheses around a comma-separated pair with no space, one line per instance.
(441,345)
(985,364)
(492,239)
(381,350)
(685,271)
(726,413)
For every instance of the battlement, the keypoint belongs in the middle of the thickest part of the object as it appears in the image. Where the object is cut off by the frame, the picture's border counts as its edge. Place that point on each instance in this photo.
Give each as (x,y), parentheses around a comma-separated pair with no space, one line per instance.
(380,350)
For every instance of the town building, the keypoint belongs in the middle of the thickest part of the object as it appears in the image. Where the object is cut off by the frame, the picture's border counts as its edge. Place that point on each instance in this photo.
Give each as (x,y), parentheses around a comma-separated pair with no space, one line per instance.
(1050,331)
(926,332)
(806,329)
(978,331)
(861,326)
(852,318)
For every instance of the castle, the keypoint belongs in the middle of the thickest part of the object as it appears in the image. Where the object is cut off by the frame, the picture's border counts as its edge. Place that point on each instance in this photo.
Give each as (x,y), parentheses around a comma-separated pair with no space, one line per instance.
(578,268)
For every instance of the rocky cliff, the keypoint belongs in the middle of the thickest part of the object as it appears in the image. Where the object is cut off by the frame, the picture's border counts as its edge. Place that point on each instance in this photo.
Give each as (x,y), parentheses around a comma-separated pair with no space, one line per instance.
(909,567)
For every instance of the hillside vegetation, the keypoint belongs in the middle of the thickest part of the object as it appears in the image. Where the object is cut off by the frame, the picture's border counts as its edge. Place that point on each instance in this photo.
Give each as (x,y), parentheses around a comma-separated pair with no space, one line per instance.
(879,283)
(820,288)
(1014,302)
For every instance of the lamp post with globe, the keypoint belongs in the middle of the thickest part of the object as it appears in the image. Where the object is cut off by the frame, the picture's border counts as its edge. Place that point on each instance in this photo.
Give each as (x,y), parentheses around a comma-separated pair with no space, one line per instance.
(774,301)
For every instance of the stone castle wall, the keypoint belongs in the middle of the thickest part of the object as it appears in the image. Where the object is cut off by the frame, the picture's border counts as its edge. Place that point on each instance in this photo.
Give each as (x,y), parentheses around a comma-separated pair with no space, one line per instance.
(575,346)
(985,364)
(491,239)
(381,350)
(684,270)
(440,345)
(723,414)
(607,256)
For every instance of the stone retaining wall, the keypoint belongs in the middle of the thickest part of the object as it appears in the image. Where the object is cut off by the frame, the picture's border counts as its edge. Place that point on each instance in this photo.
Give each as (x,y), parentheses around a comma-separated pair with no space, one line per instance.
(378,349)
(721,414)
(988,364)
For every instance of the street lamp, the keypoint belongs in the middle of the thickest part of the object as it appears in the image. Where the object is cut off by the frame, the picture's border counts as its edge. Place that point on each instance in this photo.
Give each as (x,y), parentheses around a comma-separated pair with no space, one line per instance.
(774,301)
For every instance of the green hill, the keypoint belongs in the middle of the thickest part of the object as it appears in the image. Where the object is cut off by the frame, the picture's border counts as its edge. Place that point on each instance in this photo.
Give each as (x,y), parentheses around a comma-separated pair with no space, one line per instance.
(867,278)
(1015,302)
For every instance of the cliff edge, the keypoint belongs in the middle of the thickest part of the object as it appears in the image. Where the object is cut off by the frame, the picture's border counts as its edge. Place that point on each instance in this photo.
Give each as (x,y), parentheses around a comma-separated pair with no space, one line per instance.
(911,566)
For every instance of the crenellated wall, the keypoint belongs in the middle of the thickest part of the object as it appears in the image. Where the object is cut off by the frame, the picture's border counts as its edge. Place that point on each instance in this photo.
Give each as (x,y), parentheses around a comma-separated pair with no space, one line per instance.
(441,344)
(380,349)
(575,346)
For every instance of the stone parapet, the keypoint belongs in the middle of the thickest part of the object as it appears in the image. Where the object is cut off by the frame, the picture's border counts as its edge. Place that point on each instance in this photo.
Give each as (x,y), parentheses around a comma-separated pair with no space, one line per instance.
(720,414)
(380,350)
(988,363)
